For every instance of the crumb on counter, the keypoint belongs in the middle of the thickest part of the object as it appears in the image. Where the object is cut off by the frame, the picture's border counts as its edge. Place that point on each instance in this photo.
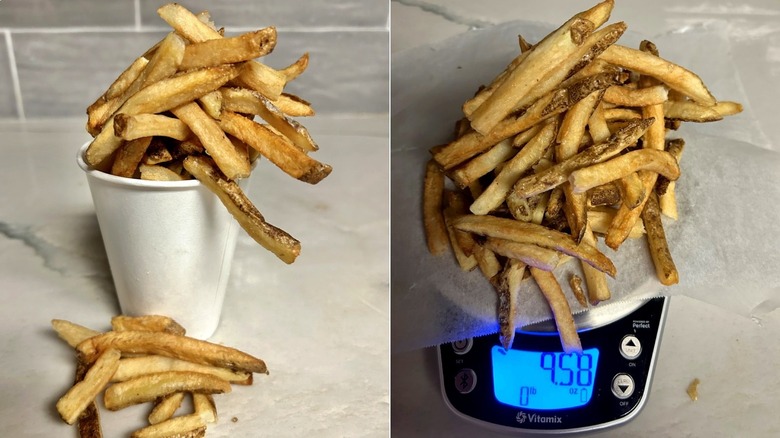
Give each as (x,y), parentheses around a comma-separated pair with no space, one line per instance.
(693,389)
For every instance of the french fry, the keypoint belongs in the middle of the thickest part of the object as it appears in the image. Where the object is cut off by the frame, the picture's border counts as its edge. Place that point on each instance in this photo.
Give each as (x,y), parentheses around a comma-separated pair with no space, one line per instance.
(632,189)
(165,407)
(596,281)
(295,69)
(507,286)
(129,156)
(80,395)
(487,261)
(575,282)
(147,323)
(73,334)
(132,367)
(157,152)
(149,387)
(292,105)
(276,240)
(170,345)
(607,194)
(523,232)
(214,140)
(212,104)
(88,423)
(205,407)
(127,77)
(651,160)
(158,173)
(484,163)
(275,148)
(599,220)
(214,52)
(636,97)
(530,255)
(131,127)
(564,321)
(656,242)
(185,426)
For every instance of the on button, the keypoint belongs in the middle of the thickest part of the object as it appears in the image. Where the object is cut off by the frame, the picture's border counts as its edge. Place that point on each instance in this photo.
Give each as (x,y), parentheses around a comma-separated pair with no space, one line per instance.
(630,347)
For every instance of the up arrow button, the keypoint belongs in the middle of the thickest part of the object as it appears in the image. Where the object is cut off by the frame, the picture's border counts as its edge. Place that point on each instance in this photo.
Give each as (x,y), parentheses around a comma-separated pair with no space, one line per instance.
(630,347)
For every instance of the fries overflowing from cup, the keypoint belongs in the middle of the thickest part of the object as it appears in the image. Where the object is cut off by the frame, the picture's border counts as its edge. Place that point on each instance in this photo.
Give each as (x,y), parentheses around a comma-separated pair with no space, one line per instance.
(149,359)
(566,145)
(196,95)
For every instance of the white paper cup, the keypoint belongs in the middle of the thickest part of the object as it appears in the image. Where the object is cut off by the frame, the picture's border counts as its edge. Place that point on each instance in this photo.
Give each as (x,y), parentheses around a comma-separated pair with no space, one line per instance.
(170,246)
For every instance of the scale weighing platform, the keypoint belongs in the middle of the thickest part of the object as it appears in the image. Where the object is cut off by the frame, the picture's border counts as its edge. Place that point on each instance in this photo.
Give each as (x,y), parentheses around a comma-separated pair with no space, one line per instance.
(534,387)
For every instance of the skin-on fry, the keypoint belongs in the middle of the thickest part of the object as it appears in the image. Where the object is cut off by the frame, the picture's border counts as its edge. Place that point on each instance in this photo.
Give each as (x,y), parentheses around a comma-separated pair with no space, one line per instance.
(557,174)
(170,345)
(575,282)
(293,105)
(131,127)
(72,333)
(275,148)
(596,281)
(212,104)
(607,194)
(467,262)
(599,220)
(552,291)
(523,232)
(660,162)
(271,238)
(245,47)
(214,140)
(165,407)
(636,97)
(132,367)
(665,188)
(148,323)
(129,155)
(185,426)
(487,261)
(688,111)
(127,77)
(88,423)
(507,286)
(673,75)
(295,69)
(205,407)
(80,395)
(656,242)
(497,191)
(632,190)
(531,255)
(483,164)
(149,387)
(158,173)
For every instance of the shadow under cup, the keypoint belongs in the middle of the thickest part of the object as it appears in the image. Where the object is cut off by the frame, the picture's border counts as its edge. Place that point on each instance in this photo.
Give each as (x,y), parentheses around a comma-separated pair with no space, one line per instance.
(169,244)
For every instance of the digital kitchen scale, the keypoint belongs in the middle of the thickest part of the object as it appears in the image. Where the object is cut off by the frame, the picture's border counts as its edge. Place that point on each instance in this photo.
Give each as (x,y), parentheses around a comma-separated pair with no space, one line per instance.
(535,387)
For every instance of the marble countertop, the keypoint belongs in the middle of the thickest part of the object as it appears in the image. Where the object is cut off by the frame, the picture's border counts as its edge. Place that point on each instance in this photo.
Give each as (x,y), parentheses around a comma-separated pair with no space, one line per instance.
(730,353)
(320,324)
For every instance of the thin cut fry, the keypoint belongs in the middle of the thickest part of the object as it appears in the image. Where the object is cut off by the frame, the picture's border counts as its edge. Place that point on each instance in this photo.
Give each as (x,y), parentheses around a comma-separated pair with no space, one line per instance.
(72,333)
(660,162)
(531,255)
(656,241)
(636,97)
(80,395)
(158,173)
(599,220)
(165,407)
(433,219)
(596,281)
(575,282)
(132,367)
(487,261)
(245,47)
(507,286)
(131,127)
(295,69)
(205,407)
(149,387)
(129,155)
(484,163)
(632,190)
(149,323)
(185,426)
(552,291)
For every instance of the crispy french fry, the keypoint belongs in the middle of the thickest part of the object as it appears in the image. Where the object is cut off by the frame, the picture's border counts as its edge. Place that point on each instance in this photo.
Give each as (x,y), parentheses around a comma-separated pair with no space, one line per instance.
(218,146)
(575,282)
(148,323)
(271,238)
(131,127)
(170,345)
(531,255)
(483,164)
(596,281)
(88,423)
(636,97)
(673,75)
(600,218)
(72,333)
(214,52)
(185,426)
(132,367)
(129,156)
(212,104)
(127,77)
(688,111)
(607,194)
(205,407)
(656,241)
(523,232)
(149,387)
(157,152)
(165,407)
(80,395)
(292,105)
(487,261)
(557,174)
(158,173)
(632,190)
(570,339)
(507,286)
(295,69)
(467,262)
(660,162)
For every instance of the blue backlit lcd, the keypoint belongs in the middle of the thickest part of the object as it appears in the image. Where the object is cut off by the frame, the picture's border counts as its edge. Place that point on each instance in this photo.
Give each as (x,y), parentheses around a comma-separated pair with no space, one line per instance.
(544,380)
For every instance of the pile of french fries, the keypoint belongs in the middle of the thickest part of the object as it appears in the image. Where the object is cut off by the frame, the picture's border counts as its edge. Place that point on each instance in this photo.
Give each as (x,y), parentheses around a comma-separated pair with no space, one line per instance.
(149,359)
(186,108)
(566,145)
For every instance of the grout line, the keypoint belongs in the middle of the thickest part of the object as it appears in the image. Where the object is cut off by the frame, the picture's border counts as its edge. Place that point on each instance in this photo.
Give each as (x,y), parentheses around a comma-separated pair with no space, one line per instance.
(137,10)
(235,29)
(445,13)
(14,76)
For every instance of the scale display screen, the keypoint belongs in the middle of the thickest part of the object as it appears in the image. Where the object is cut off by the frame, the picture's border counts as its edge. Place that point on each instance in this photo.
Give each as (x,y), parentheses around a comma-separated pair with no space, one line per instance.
(544,380)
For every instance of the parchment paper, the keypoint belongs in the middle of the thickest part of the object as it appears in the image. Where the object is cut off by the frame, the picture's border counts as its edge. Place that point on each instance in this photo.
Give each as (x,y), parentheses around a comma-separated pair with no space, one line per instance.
(724,243)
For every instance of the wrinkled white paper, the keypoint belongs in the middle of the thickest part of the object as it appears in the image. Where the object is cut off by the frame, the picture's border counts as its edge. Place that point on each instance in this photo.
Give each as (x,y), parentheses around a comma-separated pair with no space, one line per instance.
(723,244)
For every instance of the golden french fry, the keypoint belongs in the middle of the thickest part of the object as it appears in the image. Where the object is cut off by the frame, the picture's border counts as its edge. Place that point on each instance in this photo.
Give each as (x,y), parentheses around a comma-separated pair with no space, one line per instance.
(293,105)
(524,232)
(483,164)
(276,240)
(688,111)
(185,426)
(149,323)
(132,367)
(600,218)
(531,255)
(131,127)
(214,140)
(295,69)
(632,190)
(123,81)
(487,261)
(157,152)
(659,162)
(570,339)
(129,156)
(205,407)
(72,333)
(158,173)
(80,395)
(165,407)
(275,148)
(607,194)
(575,282)
(558,174)
(656,241)
(467,262)
(673,75)
(497,191)
(88,423)
(170,345)
(507,286)
(149,387)
(596,281)
(212,104)
(621,114)
(214,52)
(636,97)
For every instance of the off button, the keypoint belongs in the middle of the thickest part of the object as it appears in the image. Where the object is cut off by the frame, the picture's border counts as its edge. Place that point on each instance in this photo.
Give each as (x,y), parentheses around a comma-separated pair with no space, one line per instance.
(630,347)
(622,386)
